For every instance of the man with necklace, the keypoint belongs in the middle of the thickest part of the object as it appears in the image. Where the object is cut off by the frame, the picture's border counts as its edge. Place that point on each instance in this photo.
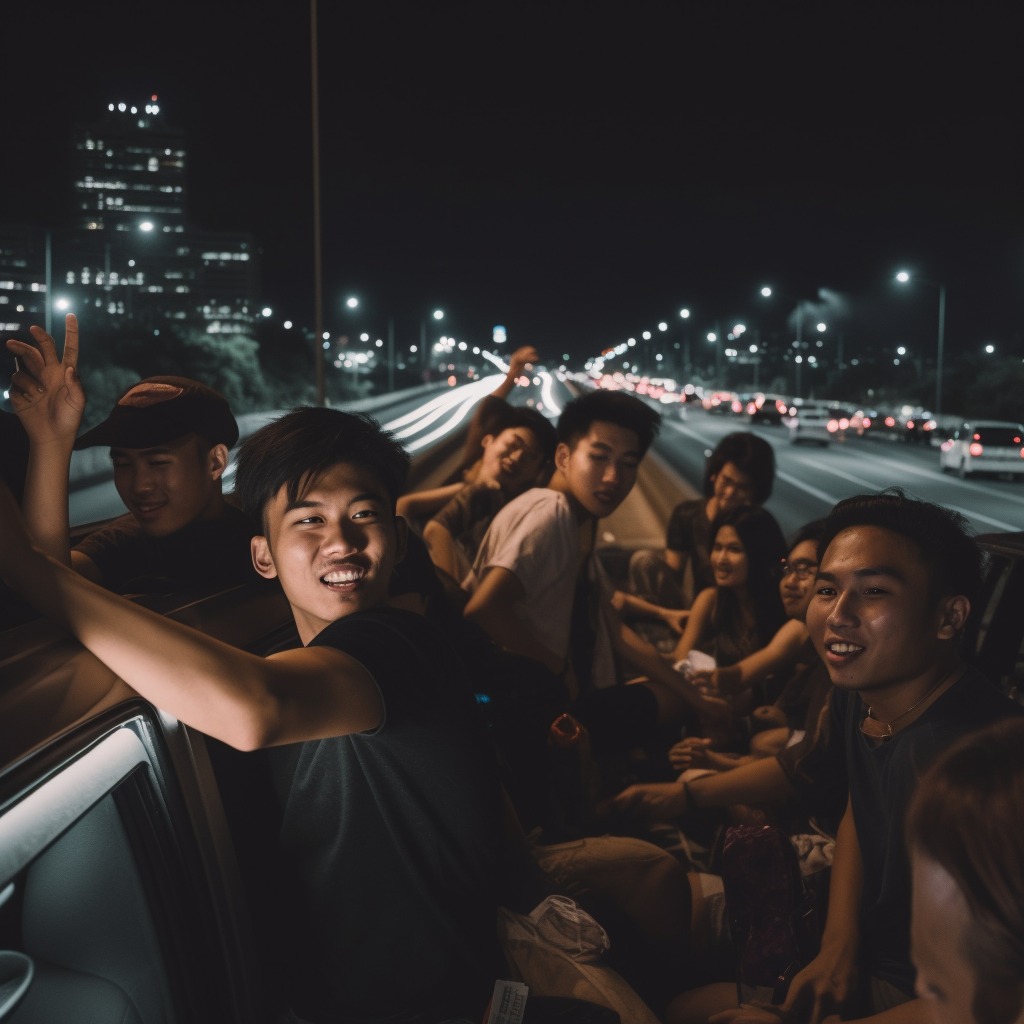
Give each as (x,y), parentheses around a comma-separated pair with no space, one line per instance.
(895,583)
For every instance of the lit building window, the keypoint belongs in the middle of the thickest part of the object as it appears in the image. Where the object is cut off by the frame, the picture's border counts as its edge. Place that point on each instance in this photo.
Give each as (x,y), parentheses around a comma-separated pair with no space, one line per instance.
(70,277)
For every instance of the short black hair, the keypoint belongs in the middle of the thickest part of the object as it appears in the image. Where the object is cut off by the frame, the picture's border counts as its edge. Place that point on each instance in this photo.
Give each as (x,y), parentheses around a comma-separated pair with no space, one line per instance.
(539,424)
(615,407)
(941,537)
(809,531)
(297,448)
(751,455)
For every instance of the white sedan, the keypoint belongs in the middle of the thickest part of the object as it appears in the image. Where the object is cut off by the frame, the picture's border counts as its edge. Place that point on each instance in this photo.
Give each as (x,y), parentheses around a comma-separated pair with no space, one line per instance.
(984,446)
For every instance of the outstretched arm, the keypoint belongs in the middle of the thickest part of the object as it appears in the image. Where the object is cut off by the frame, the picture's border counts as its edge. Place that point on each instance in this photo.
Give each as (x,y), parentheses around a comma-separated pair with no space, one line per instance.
(424,504)
(244,700)
(441,546)
(780,651)
(48,399)
(675,618)
(521,359)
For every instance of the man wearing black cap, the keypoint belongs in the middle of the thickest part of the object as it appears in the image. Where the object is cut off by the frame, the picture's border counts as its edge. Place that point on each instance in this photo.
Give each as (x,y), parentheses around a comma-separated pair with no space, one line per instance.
(169,439)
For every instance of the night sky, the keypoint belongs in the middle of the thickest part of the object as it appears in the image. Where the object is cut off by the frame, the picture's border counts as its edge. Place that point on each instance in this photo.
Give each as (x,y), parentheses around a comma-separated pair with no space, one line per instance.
(575,173)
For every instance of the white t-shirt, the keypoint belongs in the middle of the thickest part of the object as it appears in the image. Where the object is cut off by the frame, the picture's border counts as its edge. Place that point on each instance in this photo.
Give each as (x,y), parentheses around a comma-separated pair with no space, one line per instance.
(536,538)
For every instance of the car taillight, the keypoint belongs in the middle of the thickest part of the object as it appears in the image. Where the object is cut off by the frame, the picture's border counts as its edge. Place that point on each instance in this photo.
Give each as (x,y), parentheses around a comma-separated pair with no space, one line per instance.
(792,412)
(867,423)
(910,424)
(751,408)
(946,445)
(737,407)
(844,423)
(975,449)
(890,422)
(832,426)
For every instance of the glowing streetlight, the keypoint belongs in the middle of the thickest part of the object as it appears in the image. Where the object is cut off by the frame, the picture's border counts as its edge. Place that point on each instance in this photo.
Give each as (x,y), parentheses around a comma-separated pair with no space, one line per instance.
(266,311)
(352,302)
(766,292)
(364,337)
(821,327)
(287,325)
(438,314)
(903,277)
(327,335)
(712,336)
(647,335)
(901,351)
(146,225)
(684,313)
(631,342)
(990,349)
(663,326)
(61,304)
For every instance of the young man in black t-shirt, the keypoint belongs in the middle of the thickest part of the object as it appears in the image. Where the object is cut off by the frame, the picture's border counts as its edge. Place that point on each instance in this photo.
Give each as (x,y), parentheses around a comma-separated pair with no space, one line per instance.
(391,803)
(169,439)
(895,582)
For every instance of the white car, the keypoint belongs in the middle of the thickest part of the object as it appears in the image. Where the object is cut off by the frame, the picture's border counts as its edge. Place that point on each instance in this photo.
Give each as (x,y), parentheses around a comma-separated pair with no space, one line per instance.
(817,423)
(984,446)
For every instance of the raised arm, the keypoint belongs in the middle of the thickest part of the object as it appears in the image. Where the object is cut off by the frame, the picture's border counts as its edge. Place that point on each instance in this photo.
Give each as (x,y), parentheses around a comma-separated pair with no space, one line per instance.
(244,700)
(48,399)
(423,504)
(521,358)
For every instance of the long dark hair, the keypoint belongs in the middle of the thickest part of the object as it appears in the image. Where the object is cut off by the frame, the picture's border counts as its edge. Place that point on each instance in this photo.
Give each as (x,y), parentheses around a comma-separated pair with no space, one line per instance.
(765,548)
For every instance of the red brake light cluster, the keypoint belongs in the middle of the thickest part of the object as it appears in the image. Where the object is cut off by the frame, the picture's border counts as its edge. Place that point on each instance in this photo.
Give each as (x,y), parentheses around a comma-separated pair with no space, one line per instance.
(975,448)
(832,426)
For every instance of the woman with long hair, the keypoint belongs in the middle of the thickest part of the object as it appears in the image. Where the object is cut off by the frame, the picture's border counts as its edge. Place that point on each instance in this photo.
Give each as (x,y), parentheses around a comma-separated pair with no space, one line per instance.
(743,610)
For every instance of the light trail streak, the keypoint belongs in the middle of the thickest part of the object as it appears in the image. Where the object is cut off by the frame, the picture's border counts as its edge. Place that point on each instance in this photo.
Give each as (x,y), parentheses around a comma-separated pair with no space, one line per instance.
(421,418)
(546,394)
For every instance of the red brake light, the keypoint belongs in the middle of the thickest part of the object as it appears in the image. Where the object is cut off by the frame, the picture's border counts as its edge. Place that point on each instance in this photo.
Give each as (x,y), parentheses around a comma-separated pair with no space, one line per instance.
(867,422)
(844,423)
(889,421)
(832,426)
(977,437)
(910,424)
(975,448)
(737,407)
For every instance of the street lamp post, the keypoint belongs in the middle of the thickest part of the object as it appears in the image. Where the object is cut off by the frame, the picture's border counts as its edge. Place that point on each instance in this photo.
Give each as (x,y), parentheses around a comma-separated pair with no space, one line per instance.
(903,277)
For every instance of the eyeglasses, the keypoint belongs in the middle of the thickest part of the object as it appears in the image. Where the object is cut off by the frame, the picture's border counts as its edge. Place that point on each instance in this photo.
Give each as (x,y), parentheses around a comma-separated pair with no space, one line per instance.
(803,570)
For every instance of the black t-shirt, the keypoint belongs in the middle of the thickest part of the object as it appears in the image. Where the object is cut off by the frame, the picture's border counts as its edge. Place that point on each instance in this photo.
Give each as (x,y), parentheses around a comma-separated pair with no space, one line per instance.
(391,840)
(689,532)
(882,779)
(205,552)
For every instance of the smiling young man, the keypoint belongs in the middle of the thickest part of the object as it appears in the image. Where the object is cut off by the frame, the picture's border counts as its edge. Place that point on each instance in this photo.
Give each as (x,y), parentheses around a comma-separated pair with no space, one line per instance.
(535,587)
(169,439)
(895,583)
(387,782)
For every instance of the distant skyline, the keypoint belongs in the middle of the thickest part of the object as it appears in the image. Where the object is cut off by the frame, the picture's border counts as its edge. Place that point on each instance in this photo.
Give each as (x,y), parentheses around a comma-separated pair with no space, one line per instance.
(576,177)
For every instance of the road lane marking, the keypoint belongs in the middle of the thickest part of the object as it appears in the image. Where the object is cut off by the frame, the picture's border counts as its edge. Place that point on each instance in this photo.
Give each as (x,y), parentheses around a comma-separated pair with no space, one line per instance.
(935,475)
(829,499)
(983,519)
(860,481)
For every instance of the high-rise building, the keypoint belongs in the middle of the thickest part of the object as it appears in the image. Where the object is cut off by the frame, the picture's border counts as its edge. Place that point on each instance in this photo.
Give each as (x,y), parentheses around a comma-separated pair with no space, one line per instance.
(130,257)
(129,169)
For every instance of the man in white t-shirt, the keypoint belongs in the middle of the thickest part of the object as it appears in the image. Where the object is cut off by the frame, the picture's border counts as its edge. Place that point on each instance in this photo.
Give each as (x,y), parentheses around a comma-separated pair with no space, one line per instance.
(535,562)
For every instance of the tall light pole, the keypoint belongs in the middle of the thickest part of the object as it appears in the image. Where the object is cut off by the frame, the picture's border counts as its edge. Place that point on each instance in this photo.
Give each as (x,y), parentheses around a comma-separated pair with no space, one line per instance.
(318,280)
(903,277)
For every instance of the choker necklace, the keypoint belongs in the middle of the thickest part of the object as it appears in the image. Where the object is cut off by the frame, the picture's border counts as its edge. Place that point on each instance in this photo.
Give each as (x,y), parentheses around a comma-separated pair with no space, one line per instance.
(878,730)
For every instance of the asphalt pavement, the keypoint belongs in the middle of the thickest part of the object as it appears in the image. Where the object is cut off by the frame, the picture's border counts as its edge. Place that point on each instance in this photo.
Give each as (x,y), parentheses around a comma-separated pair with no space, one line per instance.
(811,479)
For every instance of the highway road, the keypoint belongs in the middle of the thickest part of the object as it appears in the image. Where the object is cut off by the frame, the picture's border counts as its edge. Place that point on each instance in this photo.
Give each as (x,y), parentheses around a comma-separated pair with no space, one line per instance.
(811,479)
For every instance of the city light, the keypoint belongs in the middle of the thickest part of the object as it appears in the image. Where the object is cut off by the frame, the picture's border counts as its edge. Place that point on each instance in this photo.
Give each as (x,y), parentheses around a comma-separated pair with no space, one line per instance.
(287,325)
(438,314)
(684,313)
(753,348)
(121,107)
(766,292)
(364,337)
(821,327)
(901,351)
(739,329)
(327,335)
(378,342)
(62,303)
(631,342)
(663,326)
(712,336)
(500,335)
(352,303)
(267,311)
(903,277)
(146,225)
(990,349)
(799,359)
(646,335)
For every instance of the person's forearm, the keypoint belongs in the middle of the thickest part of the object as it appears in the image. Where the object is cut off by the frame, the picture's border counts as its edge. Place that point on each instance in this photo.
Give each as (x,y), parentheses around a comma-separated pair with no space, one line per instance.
(441,547)
(503,625)
(207,684)
(506,387)
(420,504)
(45,505)
(842,929)
(639,606)
(760,782)
(641,654)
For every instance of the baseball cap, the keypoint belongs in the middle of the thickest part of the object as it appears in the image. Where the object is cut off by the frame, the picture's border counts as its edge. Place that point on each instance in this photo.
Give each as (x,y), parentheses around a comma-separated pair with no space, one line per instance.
(159,409)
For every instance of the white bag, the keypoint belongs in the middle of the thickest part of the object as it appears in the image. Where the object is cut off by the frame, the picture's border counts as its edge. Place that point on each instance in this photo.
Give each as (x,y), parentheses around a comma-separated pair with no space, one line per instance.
(554,950)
